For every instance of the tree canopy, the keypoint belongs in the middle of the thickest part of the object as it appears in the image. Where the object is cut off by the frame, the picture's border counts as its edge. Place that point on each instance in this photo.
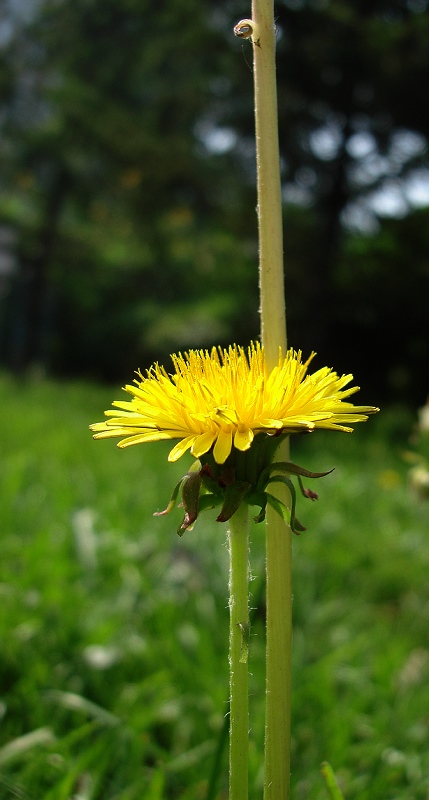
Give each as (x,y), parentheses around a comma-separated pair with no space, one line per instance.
(127,184)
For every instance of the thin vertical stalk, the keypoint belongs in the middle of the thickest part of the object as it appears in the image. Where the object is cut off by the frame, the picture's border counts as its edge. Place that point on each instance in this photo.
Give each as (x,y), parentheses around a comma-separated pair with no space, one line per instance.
(271,281)
(278,658)
(273,328)
(238,654)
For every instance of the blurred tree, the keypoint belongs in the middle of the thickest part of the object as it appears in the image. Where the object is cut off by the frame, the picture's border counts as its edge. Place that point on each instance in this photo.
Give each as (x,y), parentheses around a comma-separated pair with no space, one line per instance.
(127,221)
(381,292)
(117,224)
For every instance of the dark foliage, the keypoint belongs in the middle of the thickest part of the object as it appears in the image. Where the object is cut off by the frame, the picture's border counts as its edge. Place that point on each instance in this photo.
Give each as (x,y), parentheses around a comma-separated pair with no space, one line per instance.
(127,196)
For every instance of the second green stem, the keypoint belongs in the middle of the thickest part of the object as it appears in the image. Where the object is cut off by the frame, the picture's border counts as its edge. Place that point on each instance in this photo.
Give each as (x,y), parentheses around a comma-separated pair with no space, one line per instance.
(273,328)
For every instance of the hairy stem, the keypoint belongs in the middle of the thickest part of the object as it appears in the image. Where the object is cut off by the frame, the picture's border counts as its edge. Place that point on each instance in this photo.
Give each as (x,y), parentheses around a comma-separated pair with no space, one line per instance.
(238,652)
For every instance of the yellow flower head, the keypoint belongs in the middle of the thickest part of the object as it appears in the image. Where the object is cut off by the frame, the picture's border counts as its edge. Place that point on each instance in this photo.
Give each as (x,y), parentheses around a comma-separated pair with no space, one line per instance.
(221,399)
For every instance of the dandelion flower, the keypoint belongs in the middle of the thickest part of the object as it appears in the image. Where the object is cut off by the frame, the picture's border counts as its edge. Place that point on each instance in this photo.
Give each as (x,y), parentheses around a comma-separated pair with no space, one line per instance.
(222,398)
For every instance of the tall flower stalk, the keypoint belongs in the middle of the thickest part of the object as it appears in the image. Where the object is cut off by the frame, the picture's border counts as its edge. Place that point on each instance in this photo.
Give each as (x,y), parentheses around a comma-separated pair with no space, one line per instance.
(273,331)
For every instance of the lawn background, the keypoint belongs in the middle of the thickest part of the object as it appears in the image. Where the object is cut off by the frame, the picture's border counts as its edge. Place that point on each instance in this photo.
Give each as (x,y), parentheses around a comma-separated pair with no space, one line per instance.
(115,631)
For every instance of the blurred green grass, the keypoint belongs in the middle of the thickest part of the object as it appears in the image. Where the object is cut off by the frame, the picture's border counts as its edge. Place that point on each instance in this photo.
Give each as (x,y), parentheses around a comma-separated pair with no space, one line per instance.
(113,669)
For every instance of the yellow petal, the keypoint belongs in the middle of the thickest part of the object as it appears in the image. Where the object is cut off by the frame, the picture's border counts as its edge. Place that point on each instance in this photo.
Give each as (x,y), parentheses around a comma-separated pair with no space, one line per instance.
(223,446)
(150,436)
(203,444)
(243,439)
(181,448)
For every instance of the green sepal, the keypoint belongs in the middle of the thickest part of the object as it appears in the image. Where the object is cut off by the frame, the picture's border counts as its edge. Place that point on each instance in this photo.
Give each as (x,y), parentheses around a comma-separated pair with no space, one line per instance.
(205,501)
(295,469)
(173,498)
(278,506)
(190,498)
(283,511)
(295,524)
(183,527)
(258,499)
(298,527)
(244,477)
(307,492)
(209,501)
(291,519)
(211,485)
(289,468)
(233,496)
(209,481)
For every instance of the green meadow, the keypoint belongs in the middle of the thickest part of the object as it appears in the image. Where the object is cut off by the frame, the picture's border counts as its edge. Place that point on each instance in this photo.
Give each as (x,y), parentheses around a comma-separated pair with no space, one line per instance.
(114,631)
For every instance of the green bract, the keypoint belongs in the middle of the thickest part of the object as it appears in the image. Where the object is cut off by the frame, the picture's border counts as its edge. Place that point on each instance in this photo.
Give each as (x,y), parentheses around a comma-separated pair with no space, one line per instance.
(245,477)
